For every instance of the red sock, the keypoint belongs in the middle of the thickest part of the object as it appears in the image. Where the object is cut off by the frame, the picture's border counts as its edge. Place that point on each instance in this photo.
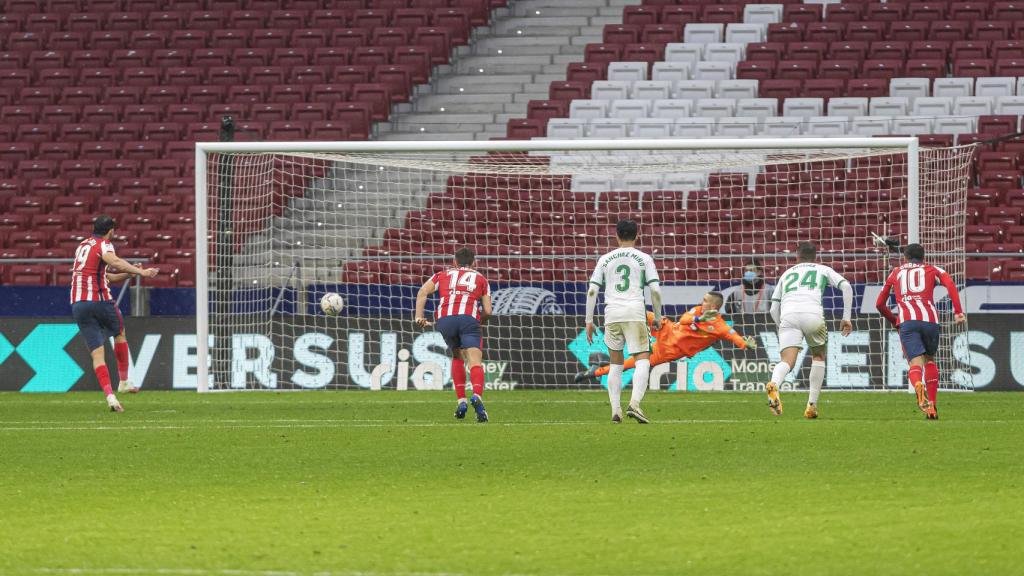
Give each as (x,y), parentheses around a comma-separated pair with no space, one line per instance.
(931,380)
(121,352)
(459,377)
(915,375)
(476,376)
(104,377)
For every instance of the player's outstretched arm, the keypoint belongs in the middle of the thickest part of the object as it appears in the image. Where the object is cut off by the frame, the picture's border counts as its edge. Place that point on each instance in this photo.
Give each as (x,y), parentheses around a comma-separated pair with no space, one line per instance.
(656,302)
(591,305)
(427,289)
(486,301)
(111,259)
(846,326)
(954,296)
(882,303)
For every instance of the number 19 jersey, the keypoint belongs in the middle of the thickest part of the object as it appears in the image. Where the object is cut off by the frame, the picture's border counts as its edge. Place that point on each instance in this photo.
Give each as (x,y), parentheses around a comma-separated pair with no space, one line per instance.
(623,274)
(800,288)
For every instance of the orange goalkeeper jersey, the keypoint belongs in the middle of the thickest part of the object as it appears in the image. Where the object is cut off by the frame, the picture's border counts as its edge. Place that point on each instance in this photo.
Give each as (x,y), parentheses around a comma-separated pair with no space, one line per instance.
(688,336)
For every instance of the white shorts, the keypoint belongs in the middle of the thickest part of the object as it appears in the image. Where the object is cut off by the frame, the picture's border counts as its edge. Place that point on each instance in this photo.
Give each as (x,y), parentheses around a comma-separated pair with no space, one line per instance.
(635,335)
(793,329)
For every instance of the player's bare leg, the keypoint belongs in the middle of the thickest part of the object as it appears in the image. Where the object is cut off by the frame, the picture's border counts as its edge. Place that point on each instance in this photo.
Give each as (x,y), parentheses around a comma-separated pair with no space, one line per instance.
(99,366)
(459,378)
(474,358)
(817,379)
(615,384)
(124,385)
(641,372)
(779,374)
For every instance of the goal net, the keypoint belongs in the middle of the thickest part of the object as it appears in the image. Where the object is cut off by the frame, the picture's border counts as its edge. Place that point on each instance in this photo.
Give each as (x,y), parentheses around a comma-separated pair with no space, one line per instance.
(286,223)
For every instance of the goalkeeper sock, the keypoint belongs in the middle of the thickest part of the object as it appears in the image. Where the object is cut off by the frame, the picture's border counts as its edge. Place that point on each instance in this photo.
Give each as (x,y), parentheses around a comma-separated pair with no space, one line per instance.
(476,378)
(121,352)
(459,378)
(615,387)
(915,376)
(780,372)
(104,377)
(640,374)
(817,379)
(931,381)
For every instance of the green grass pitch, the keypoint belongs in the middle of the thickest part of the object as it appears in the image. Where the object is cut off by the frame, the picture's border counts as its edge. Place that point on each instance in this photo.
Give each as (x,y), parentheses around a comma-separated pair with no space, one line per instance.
(387,484)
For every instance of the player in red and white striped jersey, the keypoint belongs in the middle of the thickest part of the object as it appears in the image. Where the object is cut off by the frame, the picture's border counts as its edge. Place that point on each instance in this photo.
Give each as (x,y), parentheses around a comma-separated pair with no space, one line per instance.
(918,321)
(465,304)
(92,304)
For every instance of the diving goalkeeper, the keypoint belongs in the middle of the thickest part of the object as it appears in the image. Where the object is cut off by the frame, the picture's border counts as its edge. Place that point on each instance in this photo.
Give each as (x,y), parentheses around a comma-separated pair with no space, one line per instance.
(695,331)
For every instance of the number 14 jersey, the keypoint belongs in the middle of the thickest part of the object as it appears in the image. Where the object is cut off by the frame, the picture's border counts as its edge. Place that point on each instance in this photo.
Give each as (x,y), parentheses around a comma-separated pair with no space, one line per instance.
(461,290)
(623,274)
(800,288)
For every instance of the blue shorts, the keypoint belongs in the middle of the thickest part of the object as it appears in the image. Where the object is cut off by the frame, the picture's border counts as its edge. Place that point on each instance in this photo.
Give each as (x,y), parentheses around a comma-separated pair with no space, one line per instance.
(97,321)
(919,337)
(460,331)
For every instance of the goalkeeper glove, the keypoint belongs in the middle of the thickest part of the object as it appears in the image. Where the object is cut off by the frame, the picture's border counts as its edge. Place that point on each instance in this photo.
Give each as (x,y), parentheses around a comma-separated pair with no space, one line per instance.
(751,342)
(708,316)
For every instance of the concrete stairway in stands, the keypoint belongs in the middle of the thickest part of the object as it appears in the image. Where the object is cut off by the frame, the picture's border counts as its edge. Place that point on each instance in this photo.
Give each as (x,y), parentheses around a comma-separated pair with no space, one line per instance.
(507,64)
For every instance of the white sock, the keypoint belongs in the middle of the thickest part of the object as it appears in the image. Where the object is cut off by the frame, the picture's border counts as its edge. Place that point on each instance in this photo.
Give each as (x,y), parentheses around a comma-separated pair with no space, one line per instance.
(817,379)
(641,372)
(615,388)
(781,371)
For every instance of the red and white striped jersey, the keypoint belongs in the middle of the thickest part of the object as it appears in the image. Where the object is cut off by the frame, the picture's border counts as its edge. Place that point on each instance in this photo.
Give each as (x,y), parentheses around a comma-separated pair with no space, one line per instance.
(89,272)
(914,285)
(461,290)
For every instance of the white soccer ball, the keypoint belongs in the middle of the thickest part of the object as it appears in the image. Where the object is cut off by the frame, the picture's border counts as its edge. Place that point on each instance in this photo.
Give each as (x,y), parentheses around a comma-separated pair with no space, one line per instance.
(332,304)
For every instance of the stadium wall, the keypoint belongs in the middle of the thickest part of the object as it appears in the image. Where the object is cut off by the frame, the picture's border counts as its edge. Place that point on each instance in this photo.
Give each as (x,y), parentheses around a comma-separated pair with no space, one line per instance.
(45,355)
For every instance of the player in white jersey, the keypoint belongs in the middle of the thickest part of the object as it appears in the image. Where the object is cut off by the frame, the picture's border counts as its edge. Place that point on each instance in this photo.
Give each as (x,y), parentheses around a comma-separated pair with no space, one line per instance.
(624,273)
(797,310)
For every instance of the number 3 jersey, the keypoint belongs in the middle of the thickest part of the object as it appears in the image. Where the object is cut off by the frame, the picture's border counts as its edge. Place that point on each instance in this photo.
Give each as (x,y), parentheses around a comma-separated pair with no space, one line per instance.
(914,284)
(461,290)
(800,288)
(623,274)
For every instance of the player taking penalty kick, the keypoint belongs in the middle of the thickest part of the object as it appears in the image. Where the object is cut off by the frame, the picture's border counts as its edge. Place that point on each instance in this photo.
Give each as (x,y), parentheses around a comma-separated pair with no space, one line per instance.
(918,322)
(463,292)
(797,310)
(93,306)
(623,274)
(695,331)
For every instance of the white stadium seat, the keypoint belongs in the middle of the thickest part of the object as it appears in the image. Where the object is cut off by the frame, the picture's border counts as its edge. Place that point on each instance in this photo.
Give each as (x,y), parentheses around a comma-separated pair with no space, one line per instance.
(762,13)
(736,89)
(684,52)
(782,126)
(803,107)
(962,125)
(746,33)
(724,52)
(974,105)
(566,128)
(737,127)
(953,87)
(826,126)
(890,106)
(995,86)
(627,71)
(694,89)
(607,128)
(707,70)
(588,109)
(871,125)
(910,87)
(594,184)
(609,90)
(629,109)
(671,71)
(651,128)
(651,90)
(696,127)
(757,107)
(933,106)
(1012,105)
(678,108)
(686,181)
(641,183)
(852,106)
(911,125)
(714,107)
(703,33)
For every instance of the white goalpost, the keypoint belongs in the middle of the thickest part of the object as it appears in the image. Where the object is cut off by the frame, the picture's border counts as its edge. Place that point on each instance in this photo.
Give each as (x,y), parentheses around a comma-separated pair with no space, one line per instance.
(279,224)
